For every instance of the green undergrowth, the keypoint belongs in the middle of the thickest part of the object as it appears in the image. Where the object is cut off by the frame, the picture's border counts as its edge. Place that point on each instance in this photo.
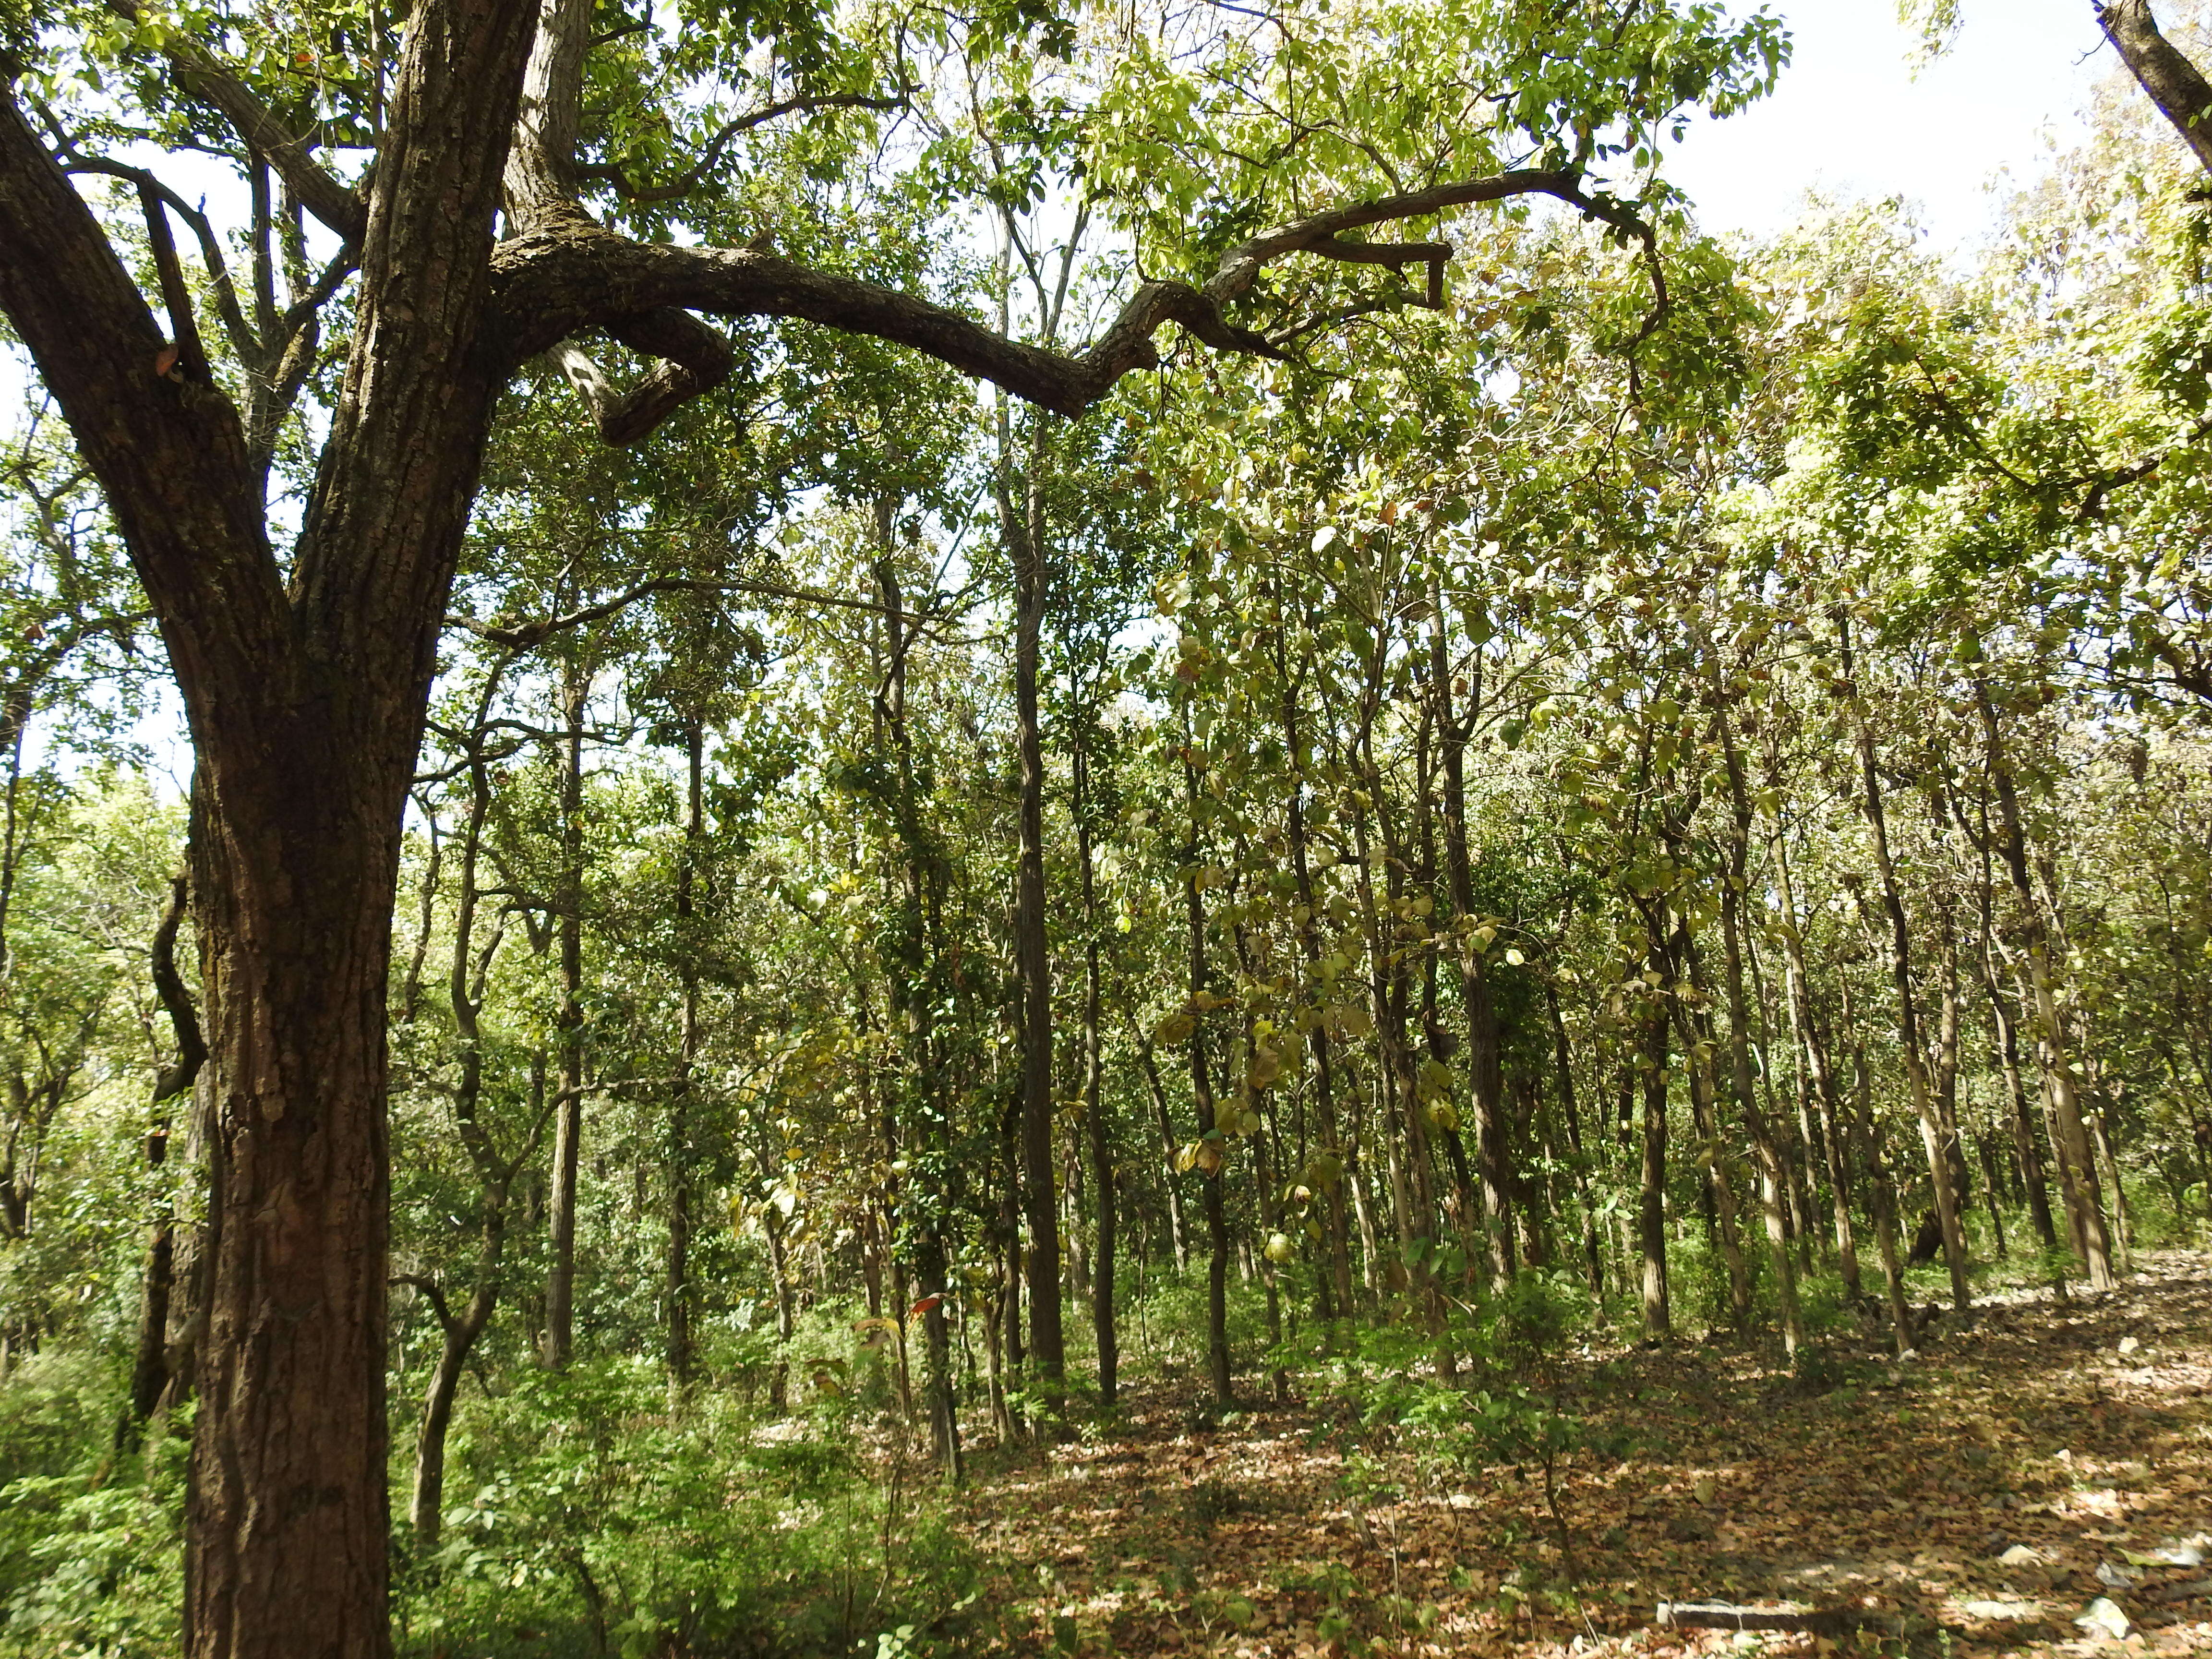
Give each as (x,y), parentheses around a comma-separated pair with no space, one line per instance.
(589,1515)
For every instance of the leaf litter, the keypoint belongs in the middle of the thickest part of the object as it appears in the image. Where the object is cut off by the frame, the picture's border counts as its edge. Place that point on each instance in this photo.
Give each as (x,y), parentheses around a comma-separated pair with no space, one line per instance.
(2038,1482)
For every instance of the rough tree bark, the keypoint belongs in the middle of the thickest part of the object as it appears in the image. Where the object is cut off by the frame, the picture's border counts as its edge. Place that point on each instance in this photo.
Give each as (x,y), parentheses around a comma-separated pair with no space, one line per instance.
(2175,84)
(304,682)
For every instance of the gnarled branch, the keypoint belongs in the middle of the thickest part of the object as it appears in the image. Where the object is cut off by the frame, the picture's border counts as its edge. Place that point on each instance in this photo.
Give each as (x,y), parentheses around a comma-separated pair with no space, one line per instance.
(559,282)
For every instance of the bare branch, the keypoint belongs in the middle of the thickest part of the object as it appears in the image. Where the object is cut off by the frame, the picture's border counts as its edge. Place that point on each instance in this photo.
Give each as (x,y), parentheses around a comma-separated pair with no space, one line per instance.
(201,77)
(605,173)
(522,637)
(429,1290)
(176,1000)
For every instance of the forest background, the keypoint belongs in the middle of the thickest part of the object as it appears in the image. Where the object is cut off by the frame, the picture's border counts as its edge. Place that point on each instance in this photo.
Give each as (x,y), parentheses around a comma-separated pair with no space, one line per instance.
(1576,778)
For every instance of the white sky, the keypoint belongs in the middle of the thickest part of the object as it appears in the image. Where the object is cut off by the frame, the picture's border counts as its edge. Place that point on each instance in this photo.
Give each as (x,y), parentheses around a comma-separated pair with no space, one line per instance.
(1850,118)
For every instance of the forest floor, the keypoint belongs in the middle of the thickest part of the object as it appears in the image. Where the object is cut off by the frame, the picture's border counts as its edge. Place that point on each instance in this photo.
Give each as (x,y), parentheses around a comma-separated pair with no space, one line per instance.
(2053,1460)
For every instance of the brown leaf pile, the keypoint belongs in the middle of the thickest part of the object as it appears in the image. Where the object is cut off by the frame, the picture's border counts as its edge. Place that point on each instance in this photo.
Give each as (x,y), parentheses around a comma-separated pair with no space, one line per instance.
(1983,1495)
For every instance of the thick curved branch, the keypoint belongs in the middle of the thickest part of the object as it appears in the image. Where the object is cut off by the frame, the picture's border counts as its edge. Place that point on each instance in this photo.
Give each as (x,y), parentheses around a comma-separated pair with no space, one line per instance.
(559,283)
(208,82)
(2175,84)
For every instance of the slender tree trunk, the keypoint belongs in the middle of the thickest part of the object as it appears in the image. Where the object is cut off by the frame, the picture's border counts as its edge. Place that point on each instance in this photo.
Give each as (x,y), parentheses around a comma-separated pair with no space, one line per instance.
(1651,1207)
(1908,1011)
(1201,1085)
(559,1341)
(1177,1239)
(1990,1186)
(1094,1109)
(1815,1051)
(1563,1058)
(1485,1072)
(1022,528)
(677,1276)
(1697,1042)
(2076,1175)
(426,1509)
(149,1370)
(1773,1172)
(1335,1279)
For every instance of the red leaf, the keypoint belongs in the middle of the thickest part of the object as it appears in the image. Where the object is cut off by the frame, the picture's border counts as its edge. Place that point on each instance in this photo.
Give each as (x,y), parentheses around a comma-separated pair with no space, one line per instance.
(925,1304)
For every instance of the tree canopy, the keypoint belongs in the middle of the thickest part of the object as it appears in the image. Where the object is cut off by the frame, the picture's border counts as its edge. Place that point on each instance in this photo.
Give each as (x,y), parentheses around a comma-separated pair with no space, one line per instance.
(912,724)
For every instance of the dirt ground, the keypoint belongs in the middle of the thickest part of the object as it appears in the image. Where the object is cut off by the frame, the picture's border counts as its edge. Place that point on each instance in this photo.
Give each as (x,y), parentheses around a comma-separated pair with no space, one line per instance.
(2049,1464)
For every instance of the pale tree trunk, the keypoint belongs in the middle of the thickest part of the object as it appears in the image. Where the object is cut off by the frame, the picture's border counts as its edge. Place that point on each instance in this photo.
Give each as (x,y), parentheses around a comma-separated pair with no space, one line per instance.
(1815,1051)
(1908,1011)
(560,1336)
(2076,1172)
(1773,1172)
(1334,1281)
(1094,1109)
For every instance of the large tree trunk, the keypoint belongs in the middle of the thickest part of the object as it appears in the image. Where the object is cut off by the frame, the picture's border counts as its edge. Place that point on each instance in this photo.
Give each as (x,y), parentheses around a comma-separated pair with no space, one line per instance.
(287,1515)
(305,690)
